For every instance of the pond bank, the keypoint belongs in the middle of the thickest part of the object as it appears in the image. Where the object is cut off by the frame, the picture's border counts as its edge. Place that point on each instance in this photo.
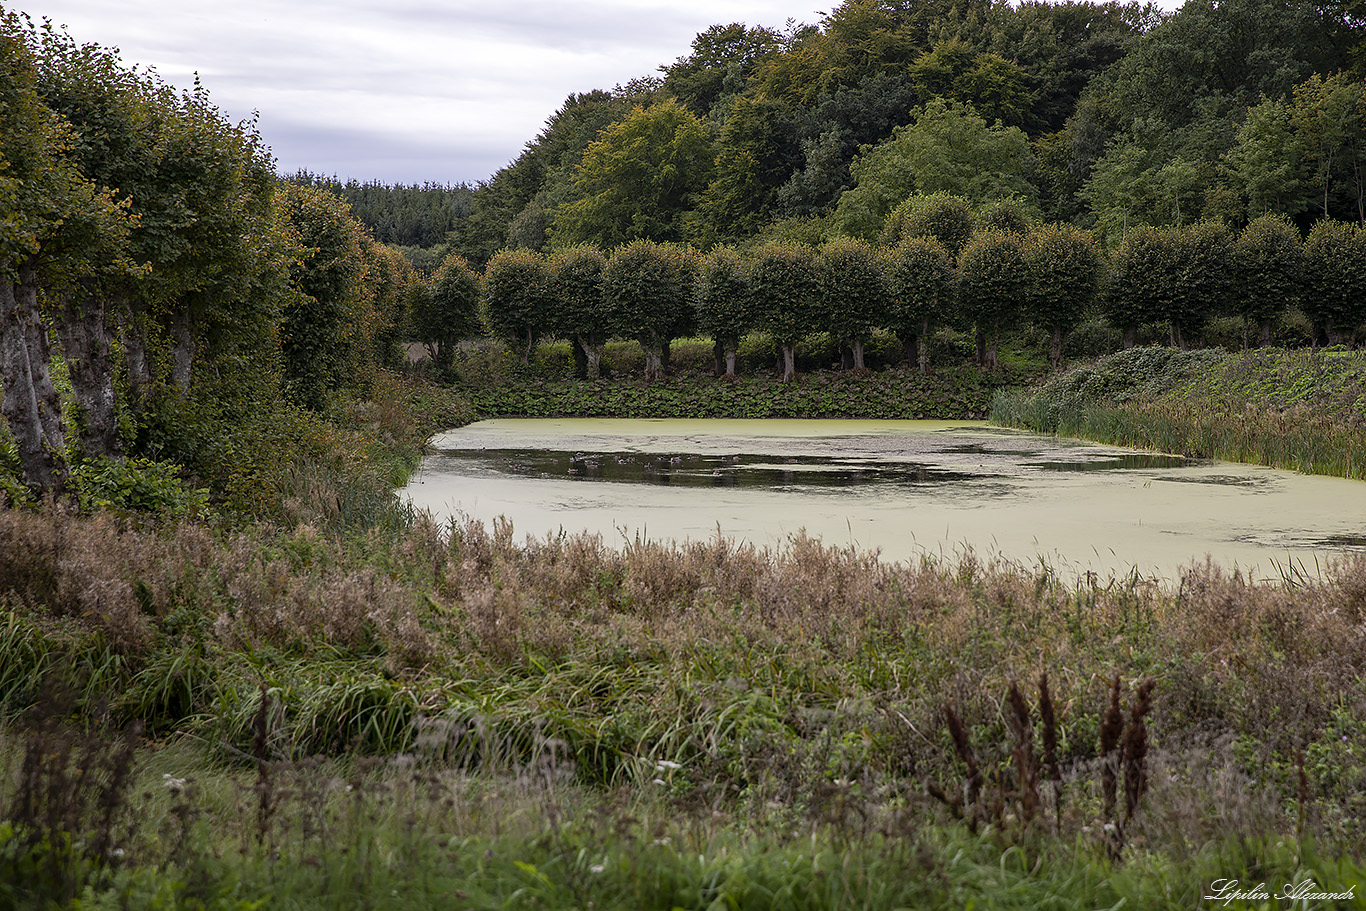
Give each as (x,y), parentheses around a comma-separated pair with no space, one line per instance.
(1302,411)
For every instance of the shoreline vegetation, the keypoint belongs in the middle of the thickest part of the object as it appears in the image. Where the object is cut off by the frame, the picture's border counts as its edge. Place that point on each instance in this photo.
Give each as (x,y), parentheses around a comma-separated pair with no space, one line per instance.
(351,703)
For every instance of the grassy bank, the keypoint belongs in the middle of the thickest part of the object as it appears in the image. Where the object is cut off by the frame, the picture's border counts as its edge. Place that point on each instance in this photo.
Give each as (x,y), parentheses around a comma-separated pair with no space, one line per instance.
(769,713)
(1298,410)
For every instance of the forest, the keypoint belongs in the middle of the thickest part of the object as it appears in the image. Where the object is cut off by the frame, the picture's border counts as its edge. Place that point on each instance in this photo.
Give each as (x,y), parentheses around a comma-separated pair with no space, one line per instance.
(1107,116)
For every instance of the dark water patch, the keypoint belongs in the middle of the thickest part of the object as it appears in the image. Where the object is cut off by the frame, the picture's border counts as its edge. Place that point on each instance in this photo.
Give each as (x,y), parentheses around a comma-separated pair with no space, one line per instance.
(1218,480)
(693,470)
(1116,462)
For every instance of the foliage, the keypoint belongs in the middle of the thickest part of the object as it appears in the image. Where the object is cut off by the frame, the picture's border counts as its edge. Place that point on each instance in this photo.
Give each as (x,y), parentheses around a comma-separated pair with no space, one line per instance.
(1065,270)
(946,218)
(785,288)
(1335,271)
(327,320)
(583,312)
(638,179)
(1269,269)
(946,148)
(648,287)
(448,311)
(993,284)
(723,300)
(400,215)
(920,284)
(517,299)
(853,292)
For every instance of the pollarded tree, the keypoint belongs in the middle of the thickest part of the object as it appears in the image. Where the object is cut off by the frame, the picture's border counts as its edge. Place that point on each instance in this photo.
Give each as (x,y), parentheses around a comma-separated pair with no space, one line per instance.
(1065,269)
(944,217)
(581,311)
(391,275)
(1138,287)
(449,311)
(1201,286)
(853,293)
(785,287)
(328,320)
(722,304)
(1269,269)
(920,280)
(992,284)
(1335,279)
(649,287)
(517,300)
(1009,213)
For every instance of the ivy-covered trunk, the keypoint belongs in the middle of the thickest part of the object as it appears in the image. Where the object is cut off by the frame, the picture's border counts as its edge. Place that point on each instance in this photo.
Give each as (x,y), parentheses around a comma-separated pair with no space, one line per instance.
(134,341)
(182,355)
(84,333)
(730,348)
(1055,349)
(31,406)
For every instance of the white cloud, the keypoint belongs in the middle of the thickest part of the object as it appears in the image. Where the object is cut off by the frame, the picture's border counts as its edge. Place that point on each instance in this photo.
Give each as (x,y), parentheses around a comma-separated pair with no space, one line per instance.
(410,92)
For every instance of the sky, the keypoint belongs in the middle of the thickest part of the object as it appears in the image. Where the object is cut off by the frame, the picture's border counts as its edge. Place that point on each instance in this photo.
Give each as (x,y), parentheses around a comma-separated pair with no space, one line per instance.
(401,91)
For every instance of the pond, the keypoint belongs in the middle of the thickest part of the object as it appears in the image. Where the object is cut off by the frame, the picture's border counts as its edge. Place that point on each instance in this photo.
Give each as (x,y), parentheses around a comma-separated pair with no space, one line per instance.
(906,488)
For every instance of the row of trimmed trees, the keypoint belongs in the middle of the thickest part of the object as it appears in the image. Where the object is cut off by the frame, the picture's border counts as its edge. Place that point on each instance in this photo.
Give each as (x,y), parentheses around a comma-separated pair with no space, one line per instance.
(149,237)
(937,263)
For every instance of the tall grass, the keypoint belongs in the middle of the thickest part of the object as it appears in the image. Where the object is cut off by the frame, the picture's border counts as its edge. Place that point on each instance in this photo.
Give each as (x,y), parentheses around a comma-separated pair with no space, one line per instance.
(1298,410)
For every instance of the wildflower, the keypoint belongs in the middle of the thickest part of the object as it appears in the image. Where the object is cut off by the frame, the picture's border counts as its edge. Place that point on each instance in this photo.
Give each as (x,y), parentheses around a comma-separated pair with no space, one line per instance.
(665,764)
(175,784)
(596,868)
(660,781)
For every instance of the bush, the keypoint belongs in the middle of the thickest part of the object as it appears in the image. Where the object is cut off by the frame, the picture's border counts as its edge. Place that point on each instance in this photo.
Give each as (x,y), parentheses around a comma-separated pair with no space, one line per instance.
(138,485)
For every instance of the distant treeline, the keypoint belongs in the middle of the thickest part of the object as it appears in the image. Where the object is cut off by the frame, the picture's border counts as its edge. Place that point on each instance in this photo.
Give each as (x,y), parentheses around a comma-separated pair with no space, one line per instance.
(416,215)
(1104,116)
(936,262)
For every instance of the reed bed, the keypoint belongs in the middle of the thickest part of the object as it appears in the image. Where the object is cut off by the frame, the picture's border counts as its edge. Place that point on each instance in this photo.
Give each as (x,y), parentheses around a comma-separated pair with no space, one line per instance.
(1297,410)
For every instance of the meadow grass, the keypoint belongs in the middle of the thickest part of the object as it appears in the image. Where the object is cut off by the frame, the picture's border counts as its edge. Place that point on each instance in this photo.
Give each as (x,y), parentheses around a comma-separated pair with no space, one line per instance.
(764,714)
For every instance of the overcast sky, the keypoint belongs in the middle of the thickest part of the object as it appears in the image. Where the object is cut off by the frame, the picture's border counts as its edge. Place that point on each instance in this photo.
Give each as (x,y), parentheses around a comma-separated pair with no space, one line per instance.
(401,91)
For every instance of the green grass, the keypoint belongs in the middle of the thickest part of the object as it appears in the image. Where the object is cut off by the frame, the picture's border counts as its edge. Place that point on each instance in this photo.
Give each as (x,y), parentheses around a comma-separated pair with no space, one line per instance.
(1298,410)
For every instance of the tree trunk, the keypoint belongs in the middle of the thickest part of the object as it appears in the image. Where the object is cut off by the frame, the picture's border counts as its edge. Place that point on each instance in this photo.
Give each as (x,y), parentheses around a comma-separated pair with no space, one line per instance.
(592,355)
(846,356)
(789,361)
(134,338)
(1130,337)
(182,361)
(84,333)
(924,346)
(665,356)
(654,359)
(981,339)
(718,354)
(578,349)
(1266,333)
(856,348)
(1055,349)
(31,406)
(910,343)
(732,349)
(992,359)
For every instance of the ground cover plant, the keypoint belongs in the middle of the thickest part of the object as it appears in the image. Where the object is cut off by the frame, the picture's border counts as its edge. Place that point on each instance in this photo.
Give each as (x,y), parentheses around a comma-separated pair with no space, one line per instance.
(811,708)
(1299,410)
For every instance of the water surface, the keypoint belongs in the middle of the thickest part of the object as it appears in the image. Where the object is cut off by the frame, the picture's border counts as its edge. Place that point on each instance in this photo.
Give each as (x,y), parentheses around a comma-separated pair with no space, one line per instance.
(906,488)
